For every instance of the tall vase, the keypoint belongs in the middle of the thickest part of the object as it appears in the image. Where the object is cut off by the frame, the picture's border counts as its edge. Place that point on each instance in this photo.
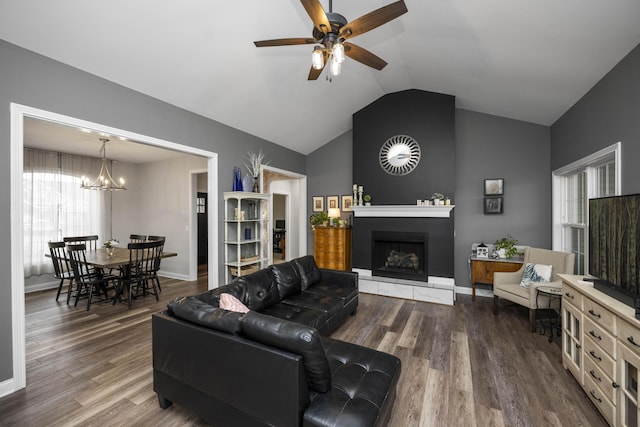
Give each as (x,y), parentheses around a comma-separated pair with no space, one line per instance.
(237,180)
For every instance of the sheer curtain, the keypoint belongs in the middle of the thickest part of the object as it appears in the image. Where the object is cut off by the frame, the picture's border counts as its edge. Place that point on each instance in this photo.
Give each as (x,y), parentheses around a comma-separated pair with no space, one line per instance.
(55,206)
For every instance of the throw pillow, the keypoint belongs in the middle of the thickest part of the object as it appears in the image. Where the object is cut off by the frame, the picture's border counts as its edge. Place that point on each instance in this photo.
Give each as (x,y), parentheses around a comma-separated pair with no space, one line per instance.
(231,303)
(535,273)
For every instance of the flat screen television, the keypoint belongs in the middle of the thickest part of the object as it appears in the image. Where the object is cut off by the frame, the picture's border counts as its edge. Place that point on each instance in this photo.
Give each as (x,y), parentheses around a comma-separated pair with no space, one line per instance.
(614,246)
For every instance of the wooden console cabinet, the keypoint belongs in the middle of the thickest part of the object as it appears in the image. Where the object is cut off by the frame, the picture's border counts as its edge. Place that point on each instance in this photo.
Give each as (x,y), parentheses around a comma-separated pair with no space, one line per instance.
(601,349)
(482,270)
(332,247)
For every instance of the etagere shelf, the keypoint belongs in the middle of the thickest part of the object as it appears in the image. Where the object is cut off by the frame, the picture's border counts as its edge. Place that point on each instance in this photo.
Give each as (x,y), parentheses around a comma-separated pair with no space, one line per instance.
(247,233)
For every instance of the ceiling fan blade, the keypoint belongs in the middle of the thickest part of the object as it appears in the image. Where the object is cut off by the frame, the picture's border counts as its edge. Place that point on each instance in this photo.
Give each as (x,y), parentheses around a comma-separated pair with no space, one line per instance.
(313,73)
(373,19)
(363,56)
(284,42)
(318,16)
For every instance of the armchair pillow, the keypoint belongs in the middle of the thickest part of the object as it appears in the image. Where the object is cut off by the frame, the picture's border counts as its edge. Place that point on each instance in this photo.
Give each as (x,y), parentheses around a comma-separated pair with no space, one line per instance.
(534,273)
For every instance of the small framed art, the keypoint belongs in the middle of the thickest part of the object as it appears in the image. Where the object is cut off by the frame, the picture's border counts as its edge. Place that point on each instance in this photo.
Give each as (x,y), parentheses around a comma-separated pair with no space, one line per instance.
(318,203)
(332,202)
(347,202)
(492,205)
(494,187)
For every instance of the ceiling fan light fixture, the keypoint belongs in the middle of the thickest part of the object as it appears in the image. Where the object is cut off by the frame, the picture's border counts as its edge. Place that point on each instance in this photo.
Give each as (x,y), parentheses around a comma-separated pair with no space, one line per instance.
(338,52)
(317,58)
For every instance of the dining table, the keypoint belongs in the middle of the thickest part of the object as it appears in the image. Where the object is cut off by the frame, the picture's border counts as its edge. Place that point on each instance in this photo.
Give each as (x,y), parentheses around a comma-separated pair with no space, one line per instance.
(100,258)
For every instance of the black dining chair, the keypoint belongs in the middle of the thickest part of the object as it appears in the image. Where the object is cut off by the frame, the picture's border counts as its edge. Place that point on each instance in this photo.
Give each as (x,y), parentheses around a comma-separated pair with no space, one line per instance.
(91,242)
(137,276)
(88,279)
(137,238)
(155,273)
(61,268)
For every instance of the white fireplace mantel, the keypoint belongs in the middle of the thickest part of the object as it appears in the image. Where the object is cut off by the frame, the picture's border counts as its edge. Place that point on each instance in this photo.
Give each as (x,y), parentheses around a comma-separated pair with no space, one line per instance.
(403,211)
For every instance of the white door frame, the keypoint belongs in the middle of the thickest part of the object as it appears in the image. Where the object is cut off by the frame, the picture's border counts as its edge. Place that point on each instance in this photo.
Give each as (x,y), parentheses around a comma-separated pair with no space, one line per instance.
(18,113)
(302,208)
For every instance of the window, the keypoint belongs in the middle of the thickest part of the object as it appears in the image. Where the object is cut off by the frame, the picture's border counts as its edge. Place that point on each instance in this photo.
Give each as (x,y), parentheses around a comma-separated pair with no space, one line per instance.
(55,206)
(573,186)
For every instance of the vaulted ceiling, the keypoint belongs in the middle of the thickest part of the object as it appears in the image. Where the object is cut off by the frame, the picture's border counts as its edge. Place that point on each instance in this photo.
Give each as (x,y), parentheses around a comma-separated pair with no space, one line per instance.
(526,60)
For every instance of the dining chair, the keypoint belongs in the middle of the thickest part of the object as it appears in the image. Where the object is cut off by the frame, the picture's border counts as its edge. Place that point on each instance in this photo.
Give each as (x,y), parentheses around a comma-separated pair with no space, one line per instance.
(61,268)
(157,267)
(137,238)
(87,278)
(137,276)
(91,242)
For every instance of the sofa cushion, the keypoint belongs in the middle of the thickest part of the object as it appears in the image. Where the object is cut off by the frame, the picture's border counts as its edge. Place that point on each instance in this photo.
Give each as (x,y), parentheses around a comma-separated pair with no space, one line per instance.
(197,311)
(327,303)
(287,279)
(231,303)
(308,271)
(259,289)
(363,383)
(346,291)
(305,316)
(293,337)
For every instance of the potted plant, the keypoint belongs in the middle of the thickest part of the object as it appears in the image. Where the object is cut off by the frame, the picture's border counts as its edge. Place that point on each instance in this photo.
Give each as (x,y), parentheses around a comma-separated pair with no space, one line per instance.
(437,197)
(109,245)
(367,199)
(319,218)
(506,246)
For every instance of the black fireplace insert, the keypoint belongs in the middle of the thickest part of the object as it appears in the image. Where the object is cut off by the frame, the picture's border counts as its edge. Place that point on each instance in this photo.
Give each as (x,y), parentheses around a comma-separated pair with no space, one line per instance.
(400,254)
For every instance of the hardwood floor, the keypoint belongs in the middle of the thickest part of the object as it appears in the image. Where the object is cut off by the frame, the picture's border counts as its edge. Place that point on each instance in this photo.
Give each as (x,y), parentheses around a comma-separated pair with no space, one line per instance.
(461,365)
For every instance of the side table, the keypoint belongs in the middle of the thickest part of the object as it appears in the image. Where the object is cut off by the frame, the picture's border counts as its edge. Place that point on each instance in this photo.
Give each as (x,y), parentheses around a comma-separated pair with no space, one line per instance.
(554,301)
(482,270)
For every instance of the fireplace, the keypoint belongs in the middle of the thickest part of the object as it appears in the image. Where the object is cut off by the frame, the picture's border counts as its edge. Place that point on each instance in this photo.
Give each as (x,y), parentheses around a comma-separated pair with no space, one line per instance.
(400,254)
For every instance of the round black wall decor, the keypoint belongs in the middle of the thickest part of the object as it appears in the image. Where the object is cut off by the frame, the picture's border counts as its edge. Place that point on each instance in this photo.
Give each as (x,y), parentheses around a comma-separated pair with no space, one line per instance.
(399,155)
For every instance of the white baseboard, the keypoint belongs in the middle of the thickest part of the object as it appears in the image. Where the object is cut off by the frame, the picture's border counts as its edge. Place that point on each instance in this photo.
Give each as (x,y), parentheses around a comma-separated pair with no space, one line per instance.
(465,290)
(7,387)
(36,287)
(170,275)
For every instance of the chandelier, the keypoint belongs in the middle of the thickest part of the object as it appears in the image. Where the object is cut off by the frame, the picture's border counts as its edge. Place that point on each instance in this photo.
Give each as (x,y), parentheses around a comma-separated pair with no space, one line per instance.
(103,181)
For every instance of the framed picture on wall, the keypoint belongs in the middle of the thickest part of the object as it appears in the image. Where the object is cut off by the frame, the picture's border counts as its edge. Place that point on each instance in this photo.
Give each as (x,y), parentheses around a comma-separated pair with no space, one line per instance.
(332,202)
(492,205)
(318,203)
(347,201)
(494,187)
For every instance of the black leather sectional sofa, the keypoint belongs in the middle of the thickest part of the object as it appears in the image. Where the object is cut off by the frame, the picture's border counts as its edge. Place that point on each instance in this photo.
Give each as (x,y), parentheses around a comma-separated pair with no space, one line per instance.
(273,365)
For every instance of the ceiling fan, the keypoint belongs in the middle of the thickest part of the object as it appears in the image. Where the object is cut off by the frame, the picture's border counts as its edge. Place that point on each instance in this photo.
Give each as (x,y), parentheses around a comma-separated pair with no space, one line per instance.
(330,30)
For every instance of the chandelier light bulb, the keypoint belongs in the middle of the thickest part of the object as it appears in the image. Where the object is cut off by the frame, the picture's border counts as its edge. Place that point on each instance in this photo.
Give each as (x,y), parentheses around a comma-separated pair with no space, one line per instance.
(336,67)
(338,53)
(317,58)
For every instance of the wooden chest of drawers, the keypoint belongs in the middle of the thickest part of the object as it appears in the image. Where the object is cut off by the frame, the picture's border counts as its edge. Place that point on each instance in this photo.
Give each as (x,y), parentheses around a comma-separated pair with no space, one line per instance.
(332,247)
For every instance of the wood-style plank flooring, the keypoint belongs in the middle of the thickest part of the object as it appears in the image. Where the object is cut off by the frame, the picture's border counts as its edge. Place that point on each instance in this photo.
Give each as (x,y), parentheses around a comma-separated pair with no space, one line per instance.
(461,365)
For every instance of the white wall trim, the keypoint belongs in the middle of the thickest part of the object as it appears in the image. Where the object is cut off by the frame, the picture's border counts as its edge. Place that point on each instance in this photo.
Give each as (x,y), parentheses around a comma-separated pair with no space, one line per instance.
(7,387)
(18,113)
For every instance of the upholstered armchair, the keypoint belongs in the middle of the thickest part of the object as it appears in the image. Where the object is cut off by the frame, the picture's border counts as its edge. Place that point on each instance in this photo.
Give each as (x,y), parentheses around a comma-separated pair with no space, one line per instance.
(507,285)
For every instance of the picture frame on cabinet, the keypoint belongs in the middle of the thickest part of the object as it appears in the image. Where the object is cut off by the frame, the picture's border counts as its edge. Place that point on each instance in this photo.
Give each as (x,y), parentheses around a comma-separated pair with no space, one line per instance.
(494,187)
(493,205)
(347,202)
(333,202)
(318,203)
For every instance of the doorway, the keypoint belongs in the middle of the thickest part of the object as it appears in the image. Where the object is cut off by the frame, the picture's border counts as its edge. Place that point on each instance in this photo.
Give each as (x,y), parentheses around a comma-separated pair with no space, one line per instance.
(18,115)
(292,187)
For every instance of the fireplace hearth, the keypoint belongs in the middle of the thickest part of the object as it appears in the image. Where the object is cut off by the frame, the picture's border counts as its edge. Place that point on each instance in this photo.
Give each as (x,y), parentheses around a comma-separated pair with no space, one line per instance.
(400,254)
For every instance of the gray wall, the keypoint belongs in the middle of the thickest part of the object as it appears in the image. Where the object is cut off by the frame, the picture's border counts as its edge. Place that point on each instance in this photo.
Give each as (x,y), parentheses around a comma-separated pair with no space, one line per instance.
(486,147)
(329,173)
(33,80)
(494,147)
(608,113)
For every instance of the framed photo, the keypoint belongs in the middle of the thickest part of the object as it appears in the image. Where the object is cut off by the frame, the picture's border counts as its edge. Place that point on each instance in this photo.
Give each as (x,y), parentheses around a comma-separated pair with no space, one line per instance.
(494,187)
(347,201)
(318,203)
(492,205)
(332,202)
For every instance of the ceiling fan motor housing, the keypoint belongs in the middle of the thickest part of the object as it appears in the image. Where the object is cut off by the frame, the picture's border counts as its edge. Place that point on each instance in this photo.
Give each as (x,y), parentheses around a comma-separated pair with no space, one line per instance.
(337,21)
